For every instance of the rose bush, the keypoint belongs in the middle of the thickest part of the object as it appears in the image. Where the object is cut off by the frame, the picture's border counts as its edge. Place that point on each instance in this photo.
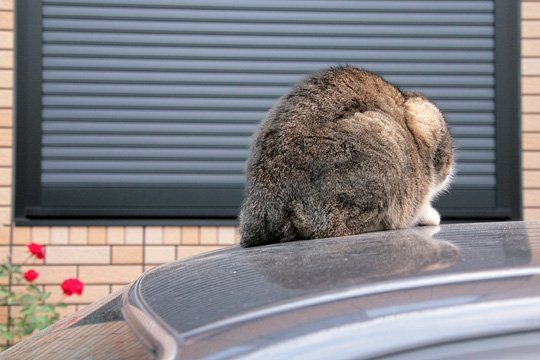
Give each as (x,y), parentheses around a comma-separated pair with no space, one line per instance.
(36,310)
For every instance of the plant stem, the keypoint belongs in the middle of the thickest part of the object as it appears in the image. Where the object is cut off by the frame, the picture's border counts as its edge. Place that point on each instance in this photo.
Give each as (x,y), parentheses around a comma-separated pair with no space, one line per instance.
(9,318)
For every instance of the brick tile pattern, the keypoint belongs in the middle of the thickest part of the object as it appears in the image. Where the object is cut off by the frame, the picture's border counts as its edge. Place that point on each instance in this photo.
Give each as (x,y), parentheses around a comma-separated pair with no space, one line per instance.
(159,254)
(80,254)
(127,254)
(5,235)
(60,235)
(78,235)
(97,235)
(226,235)
(134,235)
(172,235)
(41,234)
(153,235)
(6,109)
(190,235)
(22,235)
(115,235)
(530,88)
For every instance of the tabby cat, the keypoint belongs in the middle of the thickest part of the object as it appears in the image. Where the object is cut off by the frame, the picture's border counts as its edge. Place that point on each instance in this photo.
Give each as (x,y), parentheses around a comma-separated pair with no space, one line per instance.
(344,152)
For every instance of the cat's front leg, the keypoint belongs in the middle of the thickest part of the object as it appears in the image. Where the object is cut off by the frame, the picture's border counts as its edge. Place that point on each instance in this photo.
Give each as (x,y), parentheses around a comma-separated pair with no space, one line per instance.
(430,216)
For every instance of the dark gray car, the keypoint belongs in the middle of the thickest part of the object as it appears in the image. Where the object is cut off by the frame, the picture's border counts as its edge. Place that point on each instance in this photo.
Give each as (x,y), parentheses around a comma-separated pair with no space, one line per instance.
(468,291)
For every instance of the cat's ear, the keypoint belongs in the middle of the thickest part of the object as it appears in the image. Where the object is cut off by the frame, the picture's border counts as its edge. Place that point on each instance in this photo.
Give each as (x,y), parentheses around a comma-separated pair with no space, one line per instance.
(424,120)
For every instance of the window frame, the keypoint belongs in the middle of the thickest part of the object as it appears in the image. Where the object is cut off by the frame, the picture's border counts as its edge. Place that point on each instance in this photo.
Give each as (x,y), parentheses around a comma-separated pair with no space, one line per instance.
(27,108)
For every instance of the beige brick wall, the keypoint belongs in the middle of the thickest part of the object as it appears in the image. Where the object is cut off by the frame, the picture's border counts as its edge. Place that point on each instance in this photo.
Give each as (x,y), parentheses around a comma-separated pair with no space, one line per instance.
(107,258)
(530,87)
(6,113)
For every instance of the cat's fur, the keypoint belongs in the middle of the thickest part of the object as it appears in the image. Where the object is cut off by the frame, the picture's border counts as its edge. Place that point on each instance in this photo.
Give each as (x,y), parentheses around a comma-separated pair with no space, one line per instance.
(344,152)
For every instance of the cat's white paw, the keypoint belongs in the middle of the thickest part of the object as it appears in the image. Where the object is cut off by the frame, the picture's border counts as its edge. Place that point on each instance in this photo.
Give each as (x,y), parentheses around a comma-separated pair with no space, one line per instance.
(428,231)
(430,217)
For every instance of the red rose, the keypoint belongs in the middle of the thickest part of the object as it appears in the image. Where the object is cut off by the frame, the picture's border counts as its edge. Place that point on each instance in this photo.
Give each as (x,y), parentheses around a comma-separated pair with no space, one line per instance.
(37,250)
(31,275)
(72,286)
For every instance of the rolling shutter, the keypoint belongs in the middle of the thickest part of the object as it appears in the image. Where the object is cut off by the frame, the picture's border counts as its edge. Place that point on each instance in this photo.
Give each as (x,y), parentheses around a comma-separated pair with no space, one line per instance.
(148,105)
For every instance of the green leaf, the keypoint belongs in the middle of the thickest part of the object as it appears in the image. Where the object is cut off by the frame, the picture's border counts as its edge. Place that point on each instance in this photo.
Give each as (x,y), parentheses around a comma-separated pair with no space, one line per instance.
(27,298)
(44,324)
(6,336)
(36,291)
(12,301)
(61,305)
(28,329)
(26,312)
(40,322)
(45,295)
(48,308)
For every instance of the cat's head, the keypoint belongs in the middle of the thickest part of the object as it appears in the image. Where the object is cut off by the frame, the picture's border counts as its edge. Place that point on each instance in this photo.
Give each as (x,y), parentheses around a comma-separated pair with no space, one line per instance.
(428,125)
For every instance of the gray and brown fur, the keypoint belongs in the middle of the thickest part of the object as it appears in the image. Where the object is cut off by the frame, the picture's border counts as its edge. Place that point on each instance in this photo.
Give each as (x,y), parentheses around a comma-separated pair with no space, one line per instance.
(344,152)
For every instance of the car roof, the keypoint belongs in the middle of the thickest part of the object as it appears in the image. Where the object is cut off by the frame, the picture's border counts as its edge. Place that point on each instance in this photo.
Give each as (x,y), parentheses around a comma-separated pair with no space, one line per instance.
(237,300)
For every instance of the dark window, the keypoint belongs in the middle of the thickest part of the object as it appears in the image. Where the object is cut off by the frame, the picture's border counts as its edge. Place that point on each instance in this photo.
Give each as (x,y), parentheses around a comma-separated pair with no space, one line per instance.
(143,110)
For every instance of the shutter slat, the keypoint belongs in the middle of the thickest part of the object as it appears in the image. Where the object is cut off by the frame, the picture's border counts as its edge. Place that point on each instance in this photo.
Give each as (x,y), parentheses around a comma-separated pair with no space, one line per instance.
(191,166)
(55,127)
(305,5)
(184,27)
(200,141)
(472,131)
(205,115)
(387,66)
(273,92)
(183,154)
(144,166)
(294,16)
(213,116)
(146,78)
(125,179)
(465,156)
(138,153)
(475,182)
(148,140)
(59,42)
(476,168)
(215,103)
(76,127)
(232,53)
(472,144)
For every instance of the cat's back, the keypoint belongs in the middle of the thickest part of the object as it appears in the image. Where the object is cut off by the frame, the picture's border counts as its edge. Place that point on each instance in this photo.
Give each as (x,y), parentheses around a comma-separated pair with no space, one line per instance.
(316,127)
(336,93)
